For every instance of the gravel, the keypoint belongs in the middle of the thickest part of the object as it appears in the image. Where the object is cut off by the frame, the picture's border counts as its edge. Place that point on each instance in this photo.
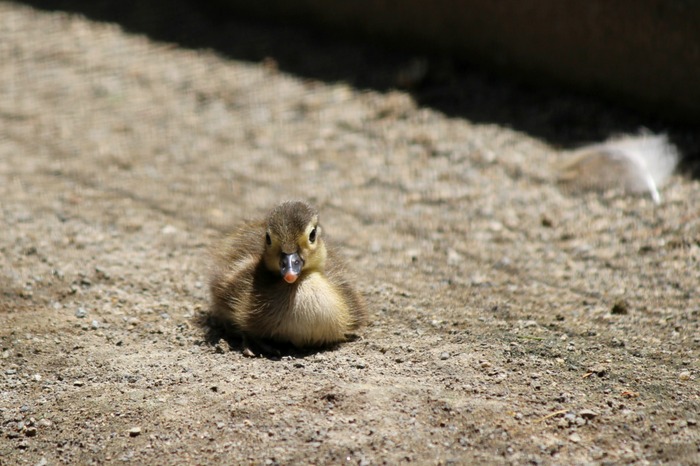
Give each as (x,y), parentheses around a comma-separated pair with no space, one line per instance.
(124,155)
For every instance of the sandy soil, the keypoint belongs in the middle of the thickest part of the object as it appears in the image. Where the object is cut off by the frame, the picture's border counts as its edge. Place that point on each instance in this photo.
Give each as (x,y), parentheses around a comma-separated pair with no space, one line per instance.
(511,322)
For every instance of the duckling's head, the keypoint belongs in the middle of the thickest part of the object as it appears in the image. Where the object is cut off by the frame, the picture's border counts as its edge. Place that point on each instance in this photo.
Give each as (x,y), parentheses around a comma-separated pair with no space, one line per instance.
(293,242)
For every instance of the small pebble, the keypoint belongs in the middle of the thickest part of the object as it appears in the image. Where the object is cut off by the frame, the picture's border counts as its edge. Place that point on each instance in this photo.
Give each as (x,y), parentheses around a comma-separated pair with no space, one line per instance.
(78,383)
(30,432)
(587,413)
(454,258)
(134,432)
(576,438)
(95,324)
(692,422)
(444,355)
(685,375)
(80,313)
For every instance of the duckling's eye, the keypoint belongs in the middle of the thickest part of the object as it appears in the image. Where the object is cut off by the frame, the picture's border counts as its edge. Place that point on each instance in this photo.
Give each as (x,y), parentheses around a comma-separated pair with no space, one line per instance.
(268,240)
(312,236)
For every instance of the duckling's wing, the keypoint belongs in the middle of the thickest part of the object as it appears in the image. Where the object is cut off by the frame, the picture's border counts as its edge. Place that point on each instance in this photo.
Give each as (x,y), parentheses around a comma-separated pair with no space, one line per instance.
(235,262)
(341,278)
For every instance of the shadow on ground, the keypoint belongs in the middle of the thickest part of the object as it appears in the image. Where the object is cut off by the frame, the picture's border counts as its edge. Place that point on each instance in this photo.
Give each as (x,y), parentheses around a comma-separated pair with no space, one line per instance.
(223,339)
(562,118)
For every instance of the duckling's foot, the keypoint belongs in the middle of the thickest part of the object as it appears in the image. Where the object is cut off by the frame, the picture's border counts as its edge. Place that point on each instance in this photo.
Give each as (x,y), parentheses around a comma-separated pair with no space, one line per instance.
(250,345)
(248,353)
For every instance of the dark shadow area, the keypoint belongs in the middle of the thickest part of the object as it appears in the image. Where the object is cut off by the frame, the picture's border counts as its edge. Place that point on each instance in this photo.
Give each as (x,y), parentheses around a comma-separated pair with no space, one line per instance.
(223,340)
(564,119)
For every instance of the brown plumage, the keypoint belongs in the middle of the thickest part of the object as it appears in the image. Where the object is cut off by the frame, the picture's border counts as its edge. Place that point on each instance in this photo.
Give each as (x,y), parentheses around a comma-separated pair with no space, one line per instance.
(276,280)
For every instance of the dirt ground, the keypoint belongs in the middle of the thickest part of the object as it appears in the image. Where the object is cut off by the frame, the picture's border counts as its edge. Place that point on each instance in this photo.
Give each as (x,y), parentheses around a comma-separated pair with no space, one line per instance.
(511,322)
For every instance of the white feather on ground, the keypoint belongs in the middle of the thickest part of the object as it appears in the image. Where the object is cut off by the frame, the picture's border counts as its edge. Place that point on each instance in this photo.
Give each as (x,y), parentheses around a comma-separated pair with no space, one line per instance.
(634,164)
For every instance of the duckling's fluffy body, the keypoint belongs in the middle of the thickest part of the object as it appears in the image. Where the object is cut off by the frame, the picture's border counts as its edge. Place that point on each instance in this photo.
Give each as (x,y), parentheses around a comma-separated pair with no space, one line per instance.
(277,280)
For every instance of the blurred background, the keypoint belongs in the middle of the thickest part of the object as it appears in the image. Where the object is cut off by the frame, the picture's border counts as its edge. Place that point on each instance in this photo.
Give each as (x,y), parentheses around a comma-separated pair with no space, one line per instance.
(567,71)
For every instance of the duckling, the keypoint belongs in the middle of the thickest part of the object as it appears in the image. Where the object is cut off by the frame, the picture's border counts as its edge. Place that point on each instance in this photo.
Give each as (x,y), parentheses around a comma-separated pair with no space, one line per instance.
(276,280)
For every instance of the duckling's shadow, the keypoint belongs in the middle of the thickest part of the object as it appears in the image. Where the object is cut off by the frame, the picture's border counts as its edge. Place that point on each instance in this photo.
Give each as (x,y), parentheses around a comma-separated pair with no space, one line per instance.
(218,335)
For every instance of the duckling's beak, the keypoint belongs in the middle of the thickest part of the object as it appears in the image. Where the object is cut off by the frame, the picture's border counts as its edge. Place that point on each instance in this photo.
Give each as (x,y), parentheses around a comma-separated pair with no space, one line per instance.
(290,266)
